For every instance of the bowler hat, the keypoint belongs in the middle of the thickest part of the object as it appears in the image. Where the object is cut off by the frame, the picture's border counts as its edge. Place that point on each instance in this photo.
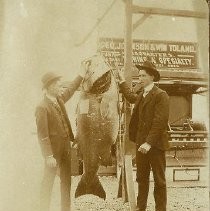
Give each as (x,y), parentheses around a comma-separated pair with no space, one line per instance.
(150,68)
(48,78)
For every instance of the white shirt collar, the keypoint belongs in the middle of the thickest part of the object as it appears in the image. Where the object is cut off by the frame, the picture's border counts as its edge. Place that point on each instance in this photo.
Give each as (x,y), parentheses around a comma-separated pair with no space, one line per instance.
(149,87)
(53,99)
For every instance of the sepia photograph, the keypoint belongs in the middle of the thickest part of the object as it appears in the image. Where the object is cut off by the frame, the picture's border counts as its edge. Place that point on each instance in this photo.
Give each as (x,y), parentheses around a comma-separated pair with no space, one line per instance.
(104,105)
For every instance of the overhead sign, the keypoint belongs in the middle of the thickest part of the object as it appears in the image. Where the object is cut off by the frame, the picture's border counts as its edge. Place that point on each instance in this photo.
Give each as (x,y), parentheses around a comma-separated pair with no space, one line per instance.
(164,54)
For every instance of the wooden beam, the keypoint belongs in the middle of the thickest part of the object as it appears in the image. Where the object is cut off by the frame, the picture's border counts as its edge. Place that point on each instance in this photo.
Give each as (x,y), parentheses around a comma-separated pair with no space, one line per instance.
(140,21)
(168,12)
(128,60)
(96,25)
(122,184)
(129,182)
(128,64)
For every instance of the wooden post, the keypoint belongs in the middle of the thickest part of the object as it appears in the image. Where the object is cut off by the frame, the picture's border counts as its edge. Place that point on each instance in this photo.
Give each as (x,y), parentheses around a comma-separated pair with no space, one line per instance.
(126,181)
(129,182)
(128,60)
(126,187)
(128,63)
(122,190)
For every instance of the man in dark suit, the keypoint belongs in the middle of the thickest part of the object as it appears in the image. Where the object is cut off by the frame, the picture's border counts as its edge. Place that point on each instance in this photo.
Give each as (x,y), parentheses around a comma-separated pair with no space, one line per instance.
(148,129)
(55,134)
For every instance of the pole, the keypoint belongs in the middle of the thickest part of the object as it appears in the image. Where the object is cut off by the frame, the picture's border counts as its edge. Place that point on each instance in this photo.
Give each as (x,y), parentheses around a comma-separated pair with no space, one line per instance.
(128,64)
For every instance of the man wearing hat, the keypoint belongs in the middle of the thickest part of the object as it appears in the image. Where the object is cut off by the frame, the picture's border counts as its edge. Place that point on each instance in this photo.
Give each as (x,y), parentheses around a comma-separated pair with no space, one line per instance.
(55,134)
(148,129)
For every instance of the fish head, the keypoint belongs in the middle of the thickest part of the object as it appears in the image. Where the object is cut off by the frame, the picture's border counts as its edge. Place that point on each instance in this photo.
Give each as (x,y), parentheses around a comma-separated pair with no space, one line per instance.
(98,75)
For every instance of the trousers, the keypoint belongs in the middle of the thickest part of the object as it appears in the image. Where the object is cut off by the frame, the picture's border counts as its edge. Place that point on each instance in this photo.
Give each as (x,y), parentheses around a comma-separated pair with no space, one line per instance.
(64,164)
(154,160)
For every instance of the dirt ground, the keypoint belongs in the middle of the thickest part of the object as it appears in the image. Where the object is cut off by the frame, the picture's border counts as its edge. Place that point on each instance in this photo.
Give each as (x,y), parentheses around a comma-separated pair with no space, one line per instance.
(22,170)
(179,198)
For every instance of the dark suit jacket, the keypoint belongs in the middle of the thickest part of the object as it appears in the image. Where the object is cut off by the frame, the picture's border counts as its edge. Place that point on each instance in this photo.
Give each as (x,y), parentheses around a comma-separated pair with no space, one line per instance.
(51,133)
(149,119)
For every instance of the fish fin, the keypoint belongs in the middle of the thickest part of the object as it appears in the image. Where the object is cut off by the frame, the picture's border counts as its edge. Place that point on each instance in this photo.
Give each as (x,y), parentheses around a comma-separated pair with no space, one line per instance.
(90,187)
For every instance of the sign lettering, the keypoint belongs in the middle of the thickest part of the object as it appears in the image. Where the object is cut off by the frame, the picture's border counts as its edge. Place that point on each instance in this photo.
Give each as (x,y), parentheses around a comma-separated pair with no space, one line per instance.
(164,54)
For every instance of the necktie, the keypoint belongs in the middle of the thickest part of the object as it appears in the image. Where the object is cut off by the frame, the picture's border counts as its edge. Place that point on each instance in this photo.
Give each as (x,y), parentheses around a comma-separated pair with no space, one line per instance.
(56,105)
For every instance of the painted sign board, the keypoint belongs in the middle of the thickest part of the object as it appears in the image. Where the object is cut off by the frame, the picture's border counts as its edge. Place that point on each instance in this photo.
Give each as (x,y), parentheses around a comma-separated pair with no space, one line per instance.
(164,54)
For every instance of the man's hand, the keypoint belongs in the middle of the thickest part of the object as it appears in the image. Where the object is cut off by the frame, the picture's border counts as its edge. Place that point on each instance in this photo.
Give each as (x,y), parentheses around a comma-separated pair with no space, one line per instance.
(84,68)
(51,161)
(121,76)
(144,148)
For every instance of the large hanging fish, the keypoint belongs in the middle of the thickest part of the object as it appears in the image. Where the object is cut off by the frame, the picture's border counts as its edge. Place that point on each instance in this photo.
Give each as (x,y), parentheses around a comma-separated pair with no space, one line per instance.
(97,124)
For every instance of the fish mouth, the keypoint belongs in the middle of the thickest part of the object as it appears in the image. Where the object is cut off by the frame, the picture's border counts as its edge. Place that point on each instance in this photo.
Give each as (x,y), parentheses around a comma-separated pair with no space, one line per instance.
(102,84)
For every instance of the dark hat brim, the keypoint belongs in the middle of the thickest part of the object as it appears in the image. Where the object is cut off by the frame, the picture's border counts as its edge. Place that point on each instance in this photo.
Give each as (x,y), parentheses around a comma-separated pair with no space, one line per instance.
(45,85)
(151,71)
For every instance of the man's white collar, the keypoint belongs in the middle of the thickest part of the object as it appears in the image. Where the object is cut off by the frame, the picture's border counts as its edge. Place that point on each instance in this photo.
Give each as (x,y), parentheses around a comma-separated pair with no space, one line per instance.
(53,99)
(148,87)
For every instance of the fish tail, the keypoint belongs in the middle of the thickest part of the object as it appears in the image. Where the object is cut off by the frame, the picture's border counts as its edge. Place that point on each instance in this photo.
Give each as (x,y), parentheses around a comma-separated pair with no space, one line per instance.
(90,185)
